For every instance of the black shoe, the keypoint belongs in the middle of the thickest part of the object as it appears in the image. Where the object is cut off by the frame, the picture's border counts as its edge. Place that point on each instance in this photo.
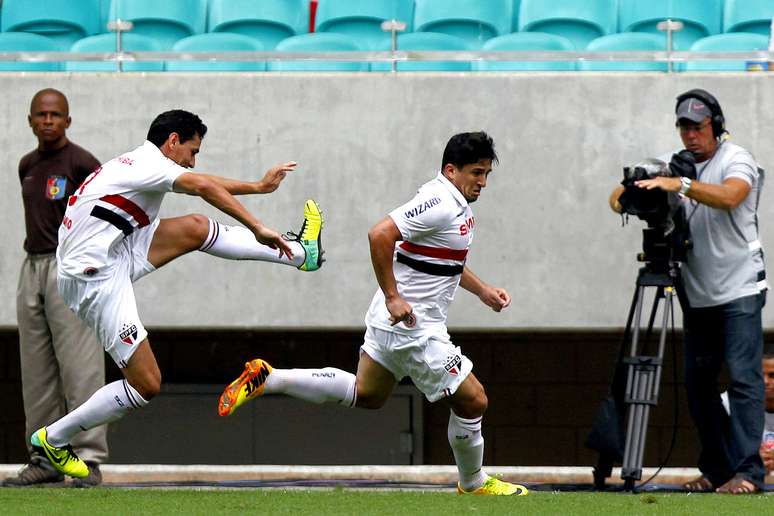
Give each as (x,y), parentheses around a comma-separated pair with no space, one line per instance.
(93,480)
(38,472)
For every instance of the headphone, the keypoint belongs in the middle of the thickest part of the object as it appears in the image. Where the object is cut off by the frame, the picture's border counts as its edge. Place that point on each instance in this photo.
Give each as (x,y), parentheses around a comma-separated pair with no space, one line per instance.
(717,119)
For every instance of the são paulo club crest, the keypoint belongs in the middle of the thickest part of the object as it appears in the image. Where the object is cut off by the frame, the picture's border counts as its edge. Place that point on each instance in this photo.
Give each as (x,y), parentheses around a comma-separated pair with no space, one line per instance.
(128,334)
(55,187)
(452,364)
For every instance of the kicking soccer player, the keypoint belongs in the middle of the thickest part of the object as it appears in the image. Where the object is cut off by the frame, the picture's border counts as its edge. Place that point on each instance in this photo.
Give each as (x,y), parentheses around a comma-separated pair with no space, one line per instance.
(111,236)
(406,322)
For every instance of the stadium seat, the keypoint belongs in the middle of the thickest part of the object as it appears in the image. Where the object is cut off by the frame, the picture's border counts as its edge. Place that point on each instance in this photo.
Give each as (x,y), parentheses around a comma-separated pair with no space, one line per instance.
(731,42)
(625,41)
(701,18)
(526,41)
(363,19)
(580,21)
(426,41)
(215,42)
(25,41)
(323,42)
(748,16)
(515,24)
(165,21)
(107,43)
(64,21)
(104,15)
(268,21)
(472,20)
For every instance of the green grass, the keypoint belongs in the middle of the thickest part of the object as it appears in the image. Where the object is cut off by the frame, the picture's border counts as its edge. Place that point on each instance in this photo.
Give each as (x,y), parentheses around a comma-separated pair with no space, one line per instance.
(117,502)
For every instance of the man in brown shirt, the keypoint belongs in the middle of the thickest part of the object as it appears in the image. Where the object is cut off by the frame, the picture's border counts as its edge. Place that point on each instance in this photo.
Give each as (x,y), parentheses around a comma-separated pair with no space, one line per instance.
(61,361)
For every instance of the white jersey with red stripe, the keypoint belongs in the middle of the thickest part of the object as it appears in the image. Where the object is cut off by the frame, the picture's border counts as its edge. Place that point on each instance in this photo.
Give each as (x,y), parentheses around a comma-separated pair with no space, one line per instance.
(122,196)
(437,229)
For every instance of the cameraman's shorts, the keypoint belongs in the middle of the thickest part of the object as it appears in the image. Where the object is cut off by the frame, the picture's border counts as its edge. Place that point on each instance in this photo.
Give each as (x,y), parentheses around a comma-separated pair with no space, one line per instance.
(433,363)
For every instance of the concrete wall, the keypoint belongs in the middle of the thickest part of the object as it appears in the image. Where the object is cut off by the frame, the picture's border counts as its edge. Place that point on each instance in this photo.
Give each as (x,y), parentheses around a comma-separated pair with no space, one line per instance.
(363,144)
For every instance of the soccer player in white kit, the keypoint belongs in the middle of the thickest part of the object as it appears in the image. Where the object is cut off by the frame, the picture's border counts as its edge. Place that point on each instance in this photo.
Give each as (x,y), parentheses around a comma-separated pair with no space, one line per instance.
(111,236)
(418,253)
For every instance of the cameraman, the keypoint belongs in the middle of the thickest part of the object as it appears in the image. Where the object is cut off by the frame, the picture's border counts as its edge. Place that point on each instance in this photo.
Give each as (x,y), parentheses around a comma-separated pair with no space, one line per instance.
(723,291)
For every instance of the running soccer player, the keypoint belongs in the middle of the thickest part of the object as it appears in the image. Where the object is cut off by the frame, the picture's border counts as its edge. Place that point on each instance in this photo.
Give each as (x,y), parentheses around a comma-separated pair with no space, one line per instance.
(111,236)
(418,254)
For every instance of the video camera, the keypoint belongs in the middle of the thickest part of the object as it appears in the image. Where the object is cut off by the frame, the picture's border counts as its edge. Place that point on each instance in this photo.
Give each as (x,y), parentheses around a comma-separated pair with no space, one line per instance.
(666,239)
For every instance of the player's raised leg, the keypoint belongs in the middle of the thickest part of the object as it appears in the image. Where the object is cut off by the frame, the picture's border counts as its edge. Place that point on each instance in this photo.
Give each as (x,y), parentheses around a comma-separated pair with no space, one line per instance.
(177,236)
(468,404)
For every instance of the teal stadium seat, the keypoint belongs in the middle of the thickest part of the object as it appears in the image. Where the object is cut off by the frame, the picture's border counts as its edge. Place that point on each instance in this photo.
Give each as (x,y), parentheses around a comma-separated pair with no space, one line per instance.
(363,19)
(107,43)
(580,21)
(515,24)
(216,42)
(472,20)
(25,41)
(64,21)
(527,41)
(621,42)
(268,21)
(104,15)
(166,21)
(748,16)
(322,42)
(701,18)
(731,42)
(426,41)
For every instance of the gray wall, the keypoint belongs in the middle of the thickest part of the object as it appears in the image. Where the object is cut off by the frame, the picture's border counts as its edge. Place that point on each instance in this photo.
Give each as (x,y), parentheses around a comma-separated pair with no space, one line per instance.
(363,144)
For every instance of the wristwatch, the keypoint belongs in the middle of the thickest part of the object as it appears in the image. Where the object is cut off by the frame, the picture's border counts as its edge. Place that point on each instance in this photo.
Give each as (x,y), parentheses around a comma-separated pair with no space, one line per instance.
(685,185)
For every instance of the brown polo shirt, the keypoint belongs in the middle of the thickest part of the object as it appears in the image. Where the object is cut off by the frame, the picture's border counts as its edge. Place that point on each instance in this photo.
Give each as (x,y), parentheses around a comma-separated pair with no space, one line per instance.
(48,178)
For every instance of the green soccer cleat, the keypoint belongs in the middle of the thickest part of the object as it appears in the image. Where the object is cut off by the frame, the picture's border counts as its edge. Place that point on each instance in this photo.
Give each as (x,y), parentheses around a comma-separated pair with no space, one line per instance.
(63,459)
(310,237)
(495,487)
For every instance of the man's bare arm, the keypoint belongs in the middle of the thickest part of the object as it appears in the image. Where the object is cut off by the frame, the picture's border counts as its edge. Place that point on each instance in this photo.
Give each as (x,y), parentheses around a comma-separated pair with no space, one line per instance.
(214,193)
(381,239)
(269,183)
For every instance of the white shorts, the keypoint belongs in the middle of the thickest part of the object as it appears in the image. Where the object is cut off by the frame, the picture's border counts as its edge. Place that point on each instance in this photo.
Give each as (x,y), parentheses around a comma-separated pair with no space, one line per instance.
(108,305)
(434,364)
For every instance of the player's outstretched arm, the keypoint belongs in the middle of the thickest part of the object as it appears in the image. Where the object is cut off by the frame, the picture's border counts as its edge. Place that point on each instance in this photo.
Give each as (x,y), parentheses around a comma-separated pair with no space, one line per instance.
(218,196)
(381,239)
(269,183)
(493,297)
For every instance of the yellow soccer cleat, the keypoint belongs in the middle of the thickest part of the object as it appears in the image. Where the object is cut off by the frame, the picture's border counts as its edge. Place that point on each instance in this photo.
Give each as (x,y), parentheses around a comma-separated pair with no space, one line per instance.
(63,459)
(310,237)
(495,487)
(249,385)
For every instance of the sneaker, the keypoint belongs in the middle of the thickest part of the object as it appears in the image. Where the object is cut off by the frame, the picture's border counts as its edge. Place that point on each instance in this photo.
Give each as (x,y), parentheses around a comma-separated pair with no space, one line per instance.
(249,385)
(495,487)
(310,237)
(63,459)
(38,472)
(93,479)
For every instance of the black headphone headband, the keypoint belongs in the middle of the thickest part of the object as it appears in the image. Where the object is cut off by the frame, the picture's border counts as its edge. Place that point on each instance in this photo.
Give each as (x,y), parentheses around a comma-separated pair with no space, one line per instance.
(718,120)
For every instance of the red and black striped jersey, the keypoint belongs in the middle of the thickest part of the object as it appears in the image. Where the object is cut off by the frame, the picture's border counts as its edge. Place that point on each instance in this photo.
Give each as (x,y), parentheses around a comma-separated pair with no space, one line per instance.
(120,197)
(437,228)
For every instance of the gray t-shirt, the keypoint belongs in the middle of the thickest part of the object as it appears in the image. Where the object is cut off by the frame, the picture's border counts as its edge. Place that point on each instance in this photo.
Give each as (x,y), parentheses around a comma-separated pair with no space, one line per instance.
(768,431)
(726,259)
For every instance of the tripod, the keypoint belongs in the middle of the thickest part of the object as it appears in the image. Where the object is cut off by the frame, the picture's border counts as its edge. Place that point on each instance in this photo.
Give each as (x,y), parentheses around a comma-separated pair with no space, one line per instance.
(636,380)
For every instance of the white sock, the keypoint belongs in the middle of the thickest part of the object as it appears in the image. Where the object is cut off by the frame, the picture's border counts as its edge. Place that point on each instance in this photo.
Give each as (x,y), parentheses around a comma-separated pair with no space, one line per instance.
(315,385)
(238,243)
(110,403)
(467,444)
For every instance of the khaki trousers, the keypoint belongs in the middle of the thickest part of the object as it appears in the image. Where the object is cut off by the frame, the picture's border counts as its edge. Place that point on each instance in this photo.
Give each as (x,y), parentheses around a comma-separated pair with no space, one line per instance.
(62,364)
